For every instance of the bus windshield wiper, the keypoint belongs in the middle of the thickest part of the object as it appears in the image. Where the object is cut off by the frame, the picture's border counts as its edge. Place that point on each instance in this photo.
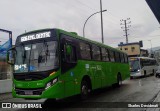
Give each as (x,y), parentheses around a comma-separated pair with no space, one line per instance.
(46,52)
(24,53)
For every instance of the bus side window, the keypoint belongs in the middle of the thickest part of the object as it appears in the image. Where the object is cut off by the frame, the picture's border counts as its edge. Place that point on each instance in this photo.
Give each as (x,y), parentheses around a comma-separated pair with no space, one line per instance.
(85,51)
(70,52)
(108,55)
(122,57)
(117,57)
(111,55)
(96,53)
(105,56)
(126,58)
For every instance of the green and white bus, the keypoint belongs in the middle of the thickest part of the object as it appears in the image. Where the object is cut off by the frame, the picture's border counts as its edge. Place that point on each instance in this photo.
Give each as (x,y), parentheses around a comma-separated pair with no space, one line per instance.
(52,63)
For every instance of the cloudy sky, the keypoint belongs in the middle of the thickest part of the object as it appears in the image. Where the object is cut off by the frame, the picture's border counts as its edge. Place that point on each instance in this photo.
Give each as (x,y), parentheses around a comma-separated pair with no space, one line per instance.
(70,15)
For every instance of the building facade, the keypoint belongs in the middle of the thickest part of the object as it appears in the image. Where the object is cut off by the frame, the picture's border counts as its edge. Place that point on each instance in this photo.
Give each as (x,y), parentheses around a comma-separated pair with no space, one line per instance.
(133,49)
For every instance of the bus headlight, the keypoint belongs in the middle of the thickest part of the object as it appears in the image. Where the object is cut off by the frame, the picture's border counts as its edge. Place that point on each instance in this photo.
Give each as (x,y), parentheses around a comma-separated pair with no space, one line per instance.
(49,84)
(54,81)
(138,70)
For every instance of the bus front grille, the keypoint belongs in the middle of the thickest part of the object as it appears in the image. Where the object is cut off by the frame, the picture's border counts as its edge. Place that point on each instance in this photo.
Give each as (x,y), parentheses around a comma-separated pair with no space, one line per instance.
(21,91)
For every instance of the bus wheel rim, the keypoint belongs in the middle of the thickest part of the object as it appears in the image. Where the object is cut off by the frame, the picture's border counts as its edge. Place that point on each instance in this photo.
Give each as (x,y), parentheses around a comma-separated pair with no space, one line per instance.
(84,90)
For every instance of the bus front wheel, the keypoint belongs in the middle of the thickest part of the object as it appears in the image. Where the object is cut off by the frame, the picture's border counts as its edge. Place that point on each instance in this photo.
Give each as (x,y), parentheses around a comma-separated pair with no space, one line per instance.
(85,90)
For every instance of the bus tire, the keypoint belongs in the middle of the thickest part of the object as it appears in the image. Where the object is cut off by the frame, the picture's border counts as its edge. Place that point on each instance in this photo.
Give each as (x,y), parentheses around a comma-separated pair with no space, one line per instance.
(119,80)
(85,90)
(153,72)
(144,73)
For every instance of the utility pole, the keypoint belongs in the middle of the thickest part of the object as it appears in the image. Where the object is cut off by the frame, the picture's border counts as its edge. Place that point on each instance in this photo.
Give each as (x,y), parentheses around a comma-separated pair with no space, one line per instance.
(101,21)
(126,27)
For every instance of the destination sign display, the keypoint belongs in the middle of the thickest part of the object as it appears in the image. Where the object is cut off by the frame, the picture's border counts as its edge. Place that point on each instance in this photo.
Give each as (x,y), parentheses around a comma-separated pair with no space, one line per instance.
(35,36)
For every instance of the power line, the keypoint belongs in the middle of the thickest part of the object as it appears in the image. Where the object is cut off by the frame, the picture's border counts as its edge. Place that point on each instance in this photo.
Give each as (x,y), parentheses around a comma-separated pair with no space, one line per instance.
(114,17)
(85,5)
(138,37)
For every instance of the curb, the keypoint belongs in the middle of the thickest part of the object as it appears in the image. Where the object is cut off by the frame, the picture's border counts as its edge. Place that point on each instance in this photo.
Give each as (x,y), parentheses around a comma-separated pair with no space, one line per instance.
(5,96)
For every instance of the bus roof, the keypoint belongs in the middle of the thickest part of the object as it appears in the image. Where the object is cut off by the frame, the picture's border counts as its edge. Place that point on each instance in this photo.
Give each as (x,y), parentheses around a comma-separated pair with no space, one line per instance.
(73,35)
(85,39)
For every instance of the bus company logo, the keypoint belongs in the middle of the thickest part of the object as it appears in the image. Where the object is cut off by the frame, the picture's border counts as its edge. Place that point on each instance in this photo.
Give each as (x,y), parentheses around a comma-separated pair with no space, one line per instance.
(21,105)
(6,105)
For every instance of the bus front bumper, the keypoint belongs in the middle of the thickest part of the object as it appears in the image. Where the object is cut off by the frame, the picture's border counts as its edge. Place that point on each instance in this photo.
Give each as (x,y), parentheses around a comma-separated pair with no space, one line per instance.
(136,74)
(55,91)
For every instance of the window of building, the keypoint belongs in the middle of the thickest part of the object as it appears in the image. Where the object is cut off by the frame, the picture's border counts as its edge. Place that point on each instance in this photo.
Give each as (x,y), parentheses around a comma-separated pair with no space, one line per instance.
(132,49)
(125,48)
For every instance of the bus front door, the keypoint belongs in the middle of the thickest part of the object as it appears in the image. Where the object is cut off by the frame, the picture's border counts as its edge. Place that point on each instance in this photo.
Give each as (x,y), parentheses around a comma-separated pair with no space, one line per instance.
(69,61)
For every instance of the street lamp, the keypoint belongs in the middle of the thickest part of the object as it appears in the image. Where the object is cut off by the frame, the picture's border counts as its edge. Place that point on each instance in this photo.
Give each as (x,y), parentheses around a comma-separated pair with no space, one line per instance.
(88,19)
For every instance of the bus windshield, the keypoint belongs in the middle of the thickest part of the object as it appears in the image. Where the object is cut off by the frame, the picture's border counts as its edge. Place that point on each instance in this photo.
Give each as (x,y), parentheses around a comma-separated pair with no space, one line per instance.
(36,57)
(134,65)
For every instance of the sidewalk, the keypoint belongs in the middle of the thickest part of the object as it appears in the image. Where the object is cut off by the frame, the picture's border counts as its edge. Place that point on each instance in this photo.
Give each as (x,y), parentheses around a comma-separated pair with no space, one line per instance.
(157,100)
(5,96)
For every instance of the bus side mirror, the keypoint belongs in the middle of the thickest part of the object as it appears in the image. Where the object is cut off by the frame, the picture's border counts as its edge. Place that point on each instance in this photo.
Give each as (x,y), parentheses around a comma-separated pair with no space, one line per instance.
(11,56)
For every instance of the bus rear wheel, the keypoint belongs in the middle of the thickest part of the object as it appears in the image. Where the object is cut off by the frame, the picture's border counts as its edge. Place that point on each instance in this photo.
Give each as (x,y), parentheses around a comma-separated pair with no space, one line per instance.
(153,72)
(119,80)
(144,73)
(85,90)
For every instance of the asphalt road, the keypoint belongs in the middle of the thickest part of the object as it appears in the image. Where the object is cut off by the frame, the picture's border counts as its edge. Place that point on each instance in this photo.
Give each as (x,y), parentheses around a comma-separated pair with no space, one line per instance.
(135,90)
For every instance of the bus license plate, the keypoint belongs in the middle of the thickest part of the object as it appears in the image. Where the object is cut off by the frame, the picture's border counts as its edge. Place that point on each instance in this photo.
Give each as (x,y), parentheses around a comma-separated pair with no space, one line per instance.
(28,92)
